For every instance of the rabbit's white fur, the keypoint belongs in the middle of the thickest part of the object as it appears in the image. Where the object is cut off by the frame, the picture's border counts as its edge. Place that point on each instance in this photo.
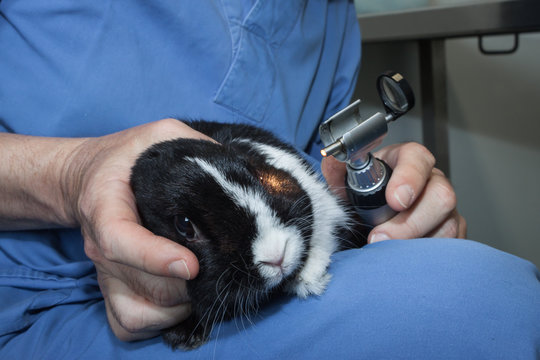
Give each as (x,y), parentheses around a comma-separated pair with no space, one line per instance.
(327,212)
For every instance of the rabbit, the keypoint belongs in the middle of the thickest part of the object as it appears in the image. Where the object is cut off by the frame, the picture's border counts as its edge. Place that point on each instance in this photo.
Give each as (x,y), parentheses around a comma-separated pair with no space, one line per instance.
(258,218)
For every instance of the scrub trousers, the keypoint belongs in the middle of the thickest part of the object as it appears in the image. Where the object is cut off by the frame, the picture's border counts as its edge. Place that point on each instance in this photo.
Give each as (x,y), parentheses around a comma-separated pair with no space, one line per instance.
(400,299)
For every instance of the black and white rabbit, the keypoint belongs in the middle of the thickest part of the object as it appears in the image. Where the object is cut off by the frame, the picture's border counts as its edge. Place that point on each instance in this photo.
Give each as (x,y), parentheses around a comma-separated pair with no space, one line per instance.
(250,208)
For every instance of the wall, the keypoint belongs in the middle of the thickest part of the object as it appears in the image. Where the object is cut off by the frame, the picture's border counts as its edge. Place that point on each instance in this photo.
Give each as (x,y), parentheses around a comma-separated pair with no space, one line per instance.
(493,132)
(494,146)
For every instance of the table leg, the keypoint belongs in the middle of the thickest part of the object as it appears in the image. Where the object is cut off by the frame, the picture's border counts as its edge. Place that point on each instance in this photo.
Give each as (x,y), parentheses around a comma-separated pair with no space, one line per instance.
(434,100)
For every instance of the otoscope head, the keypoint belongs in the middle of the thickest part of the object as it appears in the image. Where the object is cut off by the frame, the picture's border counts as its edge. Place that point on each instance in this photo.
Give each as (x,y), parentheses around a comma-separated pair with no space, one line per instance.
(349,138)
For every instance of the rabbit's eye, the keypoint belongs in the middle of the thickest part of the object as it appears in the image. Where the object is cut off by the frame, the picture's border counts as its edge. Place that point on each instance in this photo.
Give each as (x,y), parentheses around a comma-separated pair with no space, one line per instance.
(184,227)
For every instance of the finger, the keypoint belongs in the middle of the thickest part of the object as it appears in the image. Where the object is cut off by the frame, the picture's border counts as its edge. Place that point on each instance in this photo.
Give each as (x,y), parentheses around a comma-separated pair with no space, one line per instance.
(167,129)
(334,172)
(114,227)
(462,233)
(454,226)
(160,290)
(449,228)
(133,317)
(432,208)
(412,164)
(122,333)
(126,242)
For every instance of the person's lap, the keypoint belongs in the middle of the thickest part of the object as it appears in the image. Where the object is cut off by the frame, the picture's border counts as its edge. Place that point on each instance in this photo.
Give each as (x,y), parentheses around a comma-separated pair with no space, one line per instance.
(426,298)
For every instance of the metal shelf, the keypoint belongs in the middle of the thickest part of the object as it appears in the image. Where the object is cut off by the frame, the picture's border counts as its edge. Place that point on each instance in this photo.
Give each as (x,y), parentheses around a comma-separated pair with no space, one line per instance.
(489,18)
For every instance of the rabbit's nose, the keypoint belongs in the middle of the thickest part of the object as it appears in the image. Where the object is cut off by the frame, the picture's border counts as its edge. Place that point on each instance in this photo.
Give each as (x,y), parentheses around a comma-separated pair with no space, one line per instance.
(277,262)
(274,262)
(277,255)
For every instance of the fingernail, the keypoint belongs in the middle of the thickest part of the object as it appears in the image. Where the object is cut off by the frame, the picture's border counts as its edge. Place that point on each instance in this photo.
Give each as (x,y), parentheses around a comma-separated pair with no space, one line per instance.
(378,237)
(404,195)
(179,268)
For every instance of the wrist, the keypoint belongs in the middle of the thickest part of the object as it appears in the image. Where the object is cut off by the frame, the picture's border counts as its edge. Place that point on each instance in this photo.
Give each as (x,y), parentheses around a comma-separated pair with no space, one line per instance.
(32,192)
(70,171)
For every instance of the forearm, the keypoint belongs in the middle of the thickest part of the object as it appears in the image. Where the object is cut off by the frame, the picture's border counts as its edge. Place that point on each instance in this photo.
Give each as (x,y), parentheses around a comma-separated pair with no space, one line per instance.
(33,181)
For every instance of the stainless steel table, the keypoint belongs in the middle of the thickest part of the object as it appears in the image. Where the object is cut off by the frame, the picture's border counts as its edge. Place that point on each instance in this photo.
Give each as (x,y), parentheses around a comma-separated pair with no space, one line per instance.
(430,27)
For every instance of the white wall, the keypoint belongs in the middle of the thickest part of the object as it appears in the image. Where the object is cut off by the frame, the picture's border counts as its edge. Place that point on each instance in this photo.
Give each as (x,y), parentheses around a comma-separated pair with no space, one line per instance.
(494,104)
(494,127)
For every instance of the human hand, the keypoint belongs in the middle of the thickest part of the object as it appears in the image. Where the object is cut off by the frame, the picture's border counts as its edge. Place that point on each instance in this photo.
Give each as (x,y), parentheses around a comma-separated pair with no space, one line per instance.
(141,275)
(422,195)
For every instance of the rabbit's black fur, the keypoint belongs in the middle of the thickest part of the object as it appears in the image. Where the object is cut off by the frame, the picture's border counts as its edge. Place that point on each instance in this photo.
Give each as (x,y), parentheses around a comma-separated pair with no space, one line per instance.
(262,220)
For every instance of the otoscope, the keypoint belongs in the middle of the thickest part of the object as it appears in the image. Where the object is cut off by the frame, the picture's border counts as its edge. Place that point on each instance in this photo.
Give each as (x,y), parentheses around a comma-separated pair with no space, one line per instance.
(350,139)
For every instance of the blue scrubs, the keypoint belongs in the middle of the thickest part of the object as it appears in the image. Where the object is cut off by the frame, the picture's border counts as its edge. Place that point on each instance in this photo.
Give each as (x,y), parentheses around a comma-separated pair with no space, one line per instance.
(88,68)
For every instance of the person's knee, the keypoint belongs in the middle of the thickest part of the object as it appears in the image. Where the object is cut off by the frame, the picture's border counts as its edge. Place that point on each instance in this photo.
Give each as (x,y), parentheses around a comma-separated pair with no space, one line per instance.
(438,296)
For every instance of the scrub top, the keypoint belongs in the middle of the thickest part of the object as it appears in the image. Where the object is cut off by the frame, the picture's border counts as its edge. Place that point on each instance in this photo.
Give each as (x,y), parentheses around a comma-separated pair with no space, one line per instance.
(88,68)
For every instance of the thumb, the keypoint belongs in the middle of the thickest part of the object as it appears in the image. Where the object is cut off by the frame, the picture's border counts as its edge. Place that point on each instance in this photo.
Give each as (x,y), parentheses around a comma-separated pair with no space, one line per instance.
(334,172)
(131,244)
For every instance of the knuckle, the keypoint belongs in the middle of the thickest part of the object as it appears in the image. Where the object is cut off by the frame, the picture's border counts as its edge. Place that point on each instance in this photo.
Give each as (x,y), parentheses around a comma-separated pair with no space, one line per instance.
(414,229)
(421,152)
(438,172)
(91,250)
(105,246)
(122,317)
(170,128)
(129,322)
(451,228)
(106,250)
(446,196)
(166,126)
(97,244)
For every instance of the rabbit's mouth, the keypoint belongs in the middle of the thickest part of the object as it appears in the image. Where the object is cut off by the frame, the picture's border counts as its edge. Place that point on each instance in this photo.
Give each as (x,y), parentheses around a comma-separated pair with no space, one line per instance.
(277,254)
